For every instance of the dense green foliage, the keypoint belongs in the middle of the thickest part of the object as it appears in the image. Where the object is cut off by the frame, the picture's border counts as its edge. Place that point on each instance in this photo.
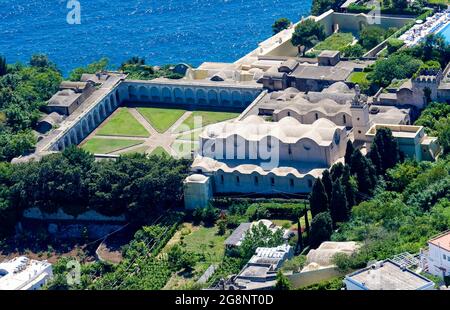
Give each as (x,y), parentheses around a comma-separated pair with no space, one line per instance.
(436,119)
(398,66)
(280,24)
(23,92)
(321,6)
(259,236)
(92,68)
(371,36)
(307,34)
(135,185)
(353,51)
(136,69)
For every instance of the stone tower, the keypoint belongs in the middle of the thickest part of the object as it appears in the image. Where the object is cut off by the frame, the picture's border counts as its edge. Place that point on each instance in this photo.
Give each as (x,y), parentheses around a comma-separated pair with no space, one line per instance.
(360,115)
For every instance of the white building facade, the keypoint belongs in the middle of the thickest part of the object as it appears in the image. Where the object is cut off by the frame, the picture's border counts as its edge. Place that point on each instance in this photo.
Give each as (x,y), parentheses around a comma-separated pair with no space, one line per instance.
(22,273)
(438,255)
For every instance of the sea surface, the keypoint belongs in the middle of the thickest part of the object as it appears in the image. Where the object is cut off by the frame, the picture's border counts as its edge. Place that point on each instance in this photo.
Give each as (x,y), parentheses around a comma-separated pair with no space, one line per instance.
(161,31)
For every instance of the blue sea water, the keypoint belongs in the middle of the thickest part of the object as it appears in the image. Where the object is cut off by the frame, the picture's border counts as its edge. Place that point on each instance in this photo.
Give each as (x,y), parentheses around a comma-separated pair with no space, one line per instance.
(161,31)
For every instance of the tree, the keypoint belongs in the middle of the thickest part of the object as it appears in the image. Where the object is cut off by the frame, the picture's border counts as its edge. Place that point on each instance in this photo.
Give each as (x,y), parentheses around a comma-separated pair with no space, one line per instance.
(397,66)
(353,51)
(307,227)
(365,173)
(179,259)
(283,283)
(92,68)
(41,61)
(280,24)
(400,4)
(327,183)
(349,153)
(318,199)
(444,134)
(338,205)
(321,6)
(371,36)
(259,236)
(386,146)
(350,187)
(321,229)
(336,171)
(308,33)
(3,66)
(222,227)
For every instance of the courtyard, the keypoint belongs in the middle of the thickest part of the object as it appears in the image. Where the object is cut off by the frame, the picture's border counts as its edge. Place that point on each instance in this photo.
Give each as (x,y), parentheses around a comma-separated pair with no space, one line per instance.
(152,130)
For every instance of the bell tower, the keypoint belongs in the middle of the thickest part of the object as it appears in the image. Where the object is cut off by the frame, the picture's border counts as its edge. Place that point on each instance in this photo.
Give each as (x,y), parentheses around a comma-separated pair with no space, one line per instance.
(360,115)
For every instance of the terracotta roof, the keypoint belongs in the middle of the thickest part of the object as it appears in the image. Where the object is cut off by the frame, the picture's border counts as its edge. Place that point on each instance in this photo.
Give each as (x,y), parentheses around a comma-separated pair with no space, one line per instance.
(442,241)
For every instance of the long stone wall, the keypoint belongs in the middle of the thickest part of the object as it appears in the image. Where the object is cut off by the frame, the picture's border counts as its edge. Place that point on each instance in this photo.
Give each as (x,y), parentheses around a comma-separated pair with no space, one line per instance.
(202,94)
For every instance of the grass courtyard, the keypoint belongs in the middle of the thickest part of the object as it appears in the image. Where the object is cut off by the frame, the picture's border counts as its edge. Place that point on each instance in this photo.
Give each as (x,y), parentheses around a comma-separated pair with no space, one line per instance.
(335,42)
(106,146)
(123,123)
(199,119)
(161,118)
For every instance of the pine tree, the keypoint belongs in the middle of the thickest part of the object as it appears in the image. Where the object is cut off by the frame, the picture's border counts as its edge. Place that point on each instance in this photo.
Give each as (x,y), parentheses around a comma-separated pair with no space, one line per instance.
(349,152)
(3,67)
(327,183)
(338,204)
(318,200)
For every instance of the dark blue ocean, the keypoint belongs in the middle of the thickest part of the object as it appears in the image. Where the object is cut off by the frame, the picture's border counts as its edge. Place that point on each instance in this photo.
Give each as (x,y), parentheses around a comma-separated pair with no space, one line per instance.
(161,31)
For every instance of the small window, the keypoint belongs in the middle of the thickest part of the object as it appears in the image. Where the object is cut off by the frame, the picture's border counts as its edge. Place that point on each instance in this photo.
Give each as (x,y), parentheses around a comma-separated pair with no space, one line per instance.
(256,181)
(317,116)
(359,131)
(272,181)
(344,119)
(288,113)
(445,256)
(221,179)
(306,147)
(291,182)
(238,180)
(290,150)
(310,183)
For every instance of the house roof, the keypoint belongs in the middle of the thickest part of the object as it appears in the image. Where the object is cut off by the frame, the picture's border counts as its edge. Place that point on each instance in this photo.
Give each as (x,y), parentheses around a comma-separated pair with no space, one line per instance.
(238,234)
(388,275)
(442,241)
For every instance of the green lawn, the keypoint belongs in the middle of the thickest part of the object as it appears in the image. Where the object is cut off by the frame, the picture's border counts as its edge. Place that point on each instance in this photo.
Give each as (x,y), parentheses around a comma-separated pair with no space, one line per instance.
(159,151)
(359,78)
(442,2)
(335,42)
(200,119)
(161,118)
(122,123)
(205,240)
(139,150)
(106,146)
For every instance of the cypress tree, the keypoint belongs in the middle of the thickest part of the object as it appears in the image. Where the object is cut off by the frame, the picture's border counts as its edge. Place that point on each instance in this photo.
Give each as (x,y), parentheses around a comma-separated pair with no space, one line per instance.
(365,173)
(318,200)
(3,67)
(349,188)
(327,183)
(375,157)
(338,204)
(321,229)
(300,236)
(307,228)
(337,171)
(349,152)
(387,147)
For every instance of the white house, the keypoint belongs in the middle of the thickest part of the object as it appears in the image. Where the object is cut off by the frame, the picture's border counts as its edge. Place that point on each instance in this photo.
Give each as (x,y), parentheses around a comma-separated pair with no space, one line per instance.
(438,256)
(386,275)
(22,273)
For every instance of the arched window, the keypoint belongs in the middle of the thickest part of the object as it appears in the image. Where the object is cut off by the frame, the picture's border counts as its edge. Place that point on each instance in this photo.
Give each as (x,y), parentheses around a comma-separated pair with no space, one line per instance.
(238,181)
(344,119)
(310,183)
(291,182)
(272,181)
(222,180)
(317,116)
(288,113)
(256,181)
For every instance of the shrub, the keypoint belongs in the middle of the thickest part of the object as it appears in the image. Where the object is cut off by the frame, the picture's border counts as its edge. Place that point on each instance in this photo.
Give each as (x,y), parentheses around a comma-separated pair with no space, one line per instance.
(394,45)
